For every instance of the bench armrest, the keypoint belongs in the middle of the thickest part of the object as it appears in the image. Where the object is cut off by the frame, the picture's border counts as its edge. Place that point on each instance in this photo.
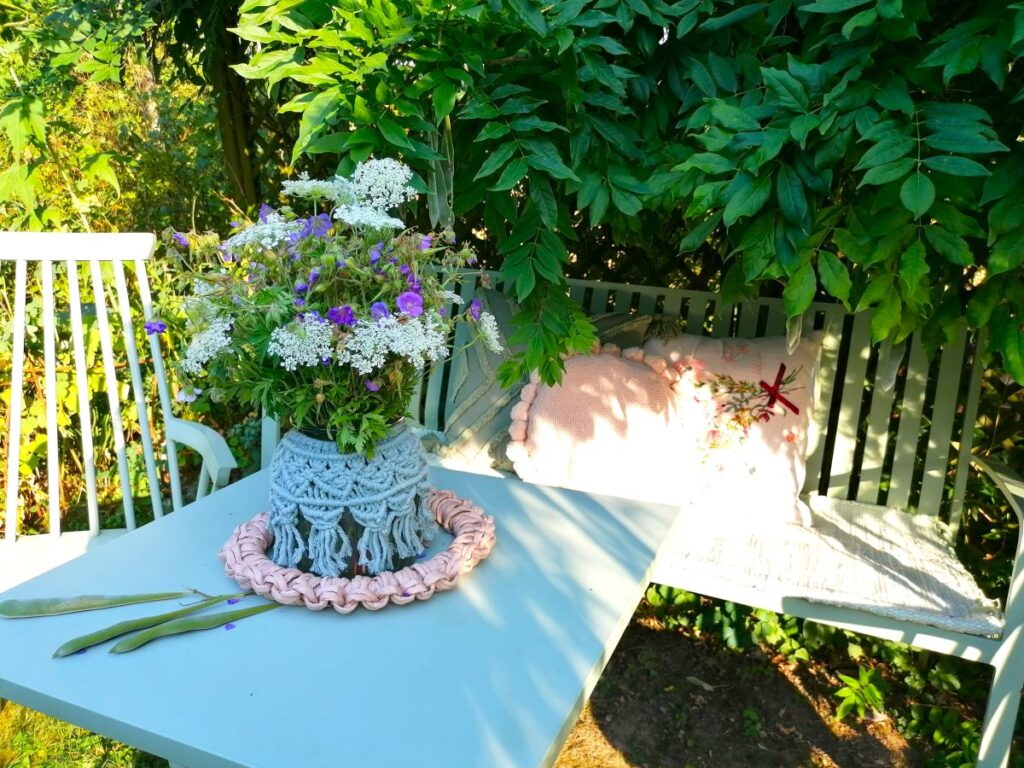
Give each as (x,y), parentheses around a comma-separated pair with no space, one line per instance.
(1012,487)
(210,444)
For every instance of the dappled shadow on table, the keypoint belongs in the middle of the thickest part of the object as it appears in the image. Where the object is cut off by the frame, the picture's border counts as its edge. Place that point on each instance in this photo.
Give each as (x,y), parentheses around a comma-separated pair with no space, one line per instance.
(667,700)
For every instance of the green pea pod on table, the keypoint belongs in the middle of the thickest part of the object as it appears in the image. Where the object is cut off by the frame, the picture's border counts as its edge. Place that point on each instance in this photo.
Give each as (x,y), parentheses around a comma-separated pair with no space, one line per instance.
(56,606)
(188,624)
(134,625)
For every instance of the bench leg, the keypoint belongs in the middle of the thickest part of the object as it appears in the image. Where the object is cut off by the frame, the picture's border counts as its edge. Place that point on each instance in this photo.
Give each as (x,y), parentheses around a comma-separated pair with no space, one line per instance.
(1003,703)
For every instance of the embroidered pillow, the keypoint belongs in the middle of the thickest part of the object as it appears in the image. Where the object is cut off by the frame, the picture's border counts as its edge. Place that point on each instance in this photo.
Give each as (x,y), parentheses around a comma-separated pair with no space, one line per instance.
(756,399)
(610,427)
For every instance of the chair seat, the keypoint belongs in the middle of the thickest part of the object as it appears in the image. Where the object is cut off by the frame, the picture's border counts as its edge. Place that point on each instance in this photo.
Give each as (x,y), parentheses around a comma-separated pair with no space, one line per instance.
(29,556)
(860,556)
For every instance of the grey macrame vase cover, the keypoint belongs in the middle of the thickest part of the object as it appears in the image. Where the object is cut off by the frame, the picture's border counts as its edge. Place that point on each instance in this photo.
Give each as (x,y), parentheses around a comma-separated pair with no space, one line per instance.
(387,495)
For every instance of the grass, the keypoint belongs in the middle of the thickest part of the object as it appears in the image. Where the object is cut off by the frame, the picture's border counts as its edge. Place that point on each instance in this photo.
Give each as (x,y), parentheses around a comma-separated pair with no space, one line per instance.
(29,739)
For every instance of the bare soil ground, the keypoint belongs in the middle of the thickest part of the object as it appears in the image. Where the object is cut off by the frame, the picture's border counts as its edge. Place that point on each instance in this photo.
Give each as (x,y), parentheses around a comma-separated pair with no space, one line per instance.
(670,699)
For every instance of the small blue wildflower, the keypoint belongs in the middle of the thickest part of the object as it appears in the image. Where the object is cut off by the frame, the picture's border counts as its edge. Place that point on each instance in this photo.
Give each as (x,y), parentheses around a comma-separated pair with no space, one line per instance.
(371,385)
(376,252)
(410,303)
(405,269)
(265,211)
(180,239)
(474,309)
(314,275)
(155,326)
(301,287)
(426,243)
(300,302)
(233,600)
(229,625)
(234,224)
(379,310)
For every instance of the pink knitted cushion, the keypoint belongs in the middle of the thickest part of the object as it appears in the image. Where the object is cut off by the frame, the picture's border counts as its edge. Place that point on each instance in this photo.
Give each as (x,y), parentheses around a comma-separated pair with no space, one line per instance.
(611,427)
(757,400)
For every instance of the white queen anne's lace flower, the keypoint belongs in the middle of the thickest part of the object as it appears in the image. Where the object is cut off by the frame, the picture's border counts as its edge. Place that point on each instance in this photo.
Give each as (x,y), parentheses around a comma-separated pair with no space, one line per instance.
(452,297)
(337,190)
(269,233)
(383,184)
(366,217)
(418,340)
(206,345)
(304,343)
(487,327)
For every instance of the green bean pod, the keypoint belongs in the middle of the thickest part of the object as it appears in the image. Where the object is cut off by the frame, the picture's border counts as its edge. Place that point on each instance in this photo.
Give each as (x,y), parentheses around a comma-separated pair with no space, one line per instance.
(187,624)
(55,606)
(134,625)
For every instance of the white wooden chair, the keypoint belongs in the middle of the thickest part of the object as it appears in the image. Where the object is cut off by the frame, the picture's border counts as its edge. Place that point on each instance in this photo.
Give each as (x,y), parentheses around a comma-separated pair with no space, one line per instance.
(109,262)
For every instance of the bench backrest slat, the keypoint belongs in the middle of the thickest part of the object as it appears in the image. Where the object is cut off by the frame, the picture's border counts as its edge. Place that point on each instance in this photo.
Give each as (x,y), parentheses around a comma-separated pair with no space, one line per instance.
(868,442)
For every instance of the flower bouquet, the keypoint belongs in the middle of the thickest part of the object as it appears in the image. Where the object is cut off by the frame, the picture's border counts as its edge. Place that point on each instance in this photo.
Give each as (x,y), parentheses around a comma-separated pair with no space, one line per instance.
(324,316)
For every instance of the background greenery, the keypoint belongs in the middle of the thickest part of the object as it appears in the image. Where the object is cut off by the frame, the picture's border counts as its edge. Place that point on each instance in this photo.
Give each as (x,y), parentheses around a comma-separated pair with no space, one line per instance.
(866,150)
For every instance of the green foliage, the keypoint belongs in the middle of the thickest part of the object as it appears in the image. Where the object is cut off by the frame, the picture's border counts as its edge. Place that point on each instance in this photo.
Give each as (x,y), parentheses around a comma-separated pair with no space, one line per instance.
(807,145)
(862,694)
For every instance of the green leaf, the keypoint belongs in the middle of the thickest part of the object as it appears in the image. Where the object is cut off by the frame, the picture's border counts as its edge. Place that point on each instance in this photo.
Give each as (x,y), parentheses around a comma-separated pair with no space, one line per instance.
(875,292)
(22,119)
(884,174)
(393,133)
(514,172)
(492,131)
(496,160)
(835,277)
(833,6)
(789,92)
(1007,254)
(733,118)
(55,606)
(626,202)
(531,14)
(98,167)
(747,196)
(799,291)
(886,152)
(544,198)
(863,19)
(887,316)
(917,194)
(801,127)
(956,166)
(188,624)
(444,96)
(543,155)
(733,17)
(913,265)
(1009,340)
(952,248)
(791,196)
(708,162)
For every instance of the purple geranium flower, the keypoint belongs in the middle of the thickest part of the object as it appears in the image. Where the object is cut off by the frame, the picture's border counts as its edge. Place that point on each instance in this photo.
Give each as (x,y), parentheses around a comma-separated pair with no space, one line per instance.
(265,211)
(413,283)
(342,315)
(426,243)
(235,224)
(155,326)
(314,275)
(474,309)
(226,255)
(405,269)
(376,252)
(180,239)
(379,310)
(300,302)
(301,287)
(471,260)
(411,303)
(372,385)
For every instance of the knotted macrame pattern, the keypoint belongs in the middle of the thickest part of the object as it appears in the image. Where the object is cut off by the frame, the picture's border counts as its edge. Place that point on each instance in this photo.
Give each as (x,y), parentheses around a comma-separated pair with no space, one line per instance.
(245,561)
(387,495)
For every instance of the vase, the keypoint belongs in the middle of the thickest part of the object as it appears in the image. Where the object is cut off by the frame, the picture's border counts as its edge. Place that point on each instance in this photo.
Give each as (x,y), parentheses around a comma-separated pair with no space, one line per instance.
(336,514)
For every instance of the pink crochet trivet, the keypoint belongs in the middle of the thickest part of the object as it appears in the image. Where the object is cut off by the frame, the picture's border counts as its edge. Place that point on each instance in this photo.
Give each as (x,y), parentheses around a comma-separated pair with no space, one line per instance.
(246,562)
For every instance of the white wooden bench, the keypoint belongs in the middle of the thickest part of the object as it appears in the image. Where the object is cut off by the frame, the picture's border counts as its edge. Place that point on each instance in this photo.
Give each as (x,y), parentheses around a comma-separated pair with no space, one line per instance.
(891,434)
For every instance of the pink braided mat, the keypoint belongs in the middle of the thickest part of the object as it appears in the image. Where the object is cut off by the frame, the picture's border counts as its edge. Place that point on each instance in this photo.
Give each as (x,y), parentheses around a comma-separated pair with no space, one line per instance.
(246,562)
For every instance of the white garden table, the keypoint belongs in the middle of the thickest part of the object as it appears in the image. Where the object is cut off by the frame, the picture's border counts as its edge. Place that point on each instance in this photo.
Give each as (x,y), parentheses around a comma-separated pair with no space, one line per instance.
(493,673)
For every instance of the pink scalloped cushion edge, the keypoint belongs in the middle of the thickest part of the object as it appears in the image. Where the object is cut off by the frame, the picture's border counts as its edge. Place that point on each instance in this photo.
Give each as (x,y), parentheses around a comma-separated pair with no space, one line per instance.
(518,451)
(245,561)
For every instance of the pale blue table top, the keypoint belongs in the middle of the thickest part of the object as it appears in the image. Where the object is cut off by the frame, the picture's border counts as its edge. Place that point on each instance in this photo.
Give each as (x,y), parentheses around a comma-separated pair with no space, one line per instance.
(489,675)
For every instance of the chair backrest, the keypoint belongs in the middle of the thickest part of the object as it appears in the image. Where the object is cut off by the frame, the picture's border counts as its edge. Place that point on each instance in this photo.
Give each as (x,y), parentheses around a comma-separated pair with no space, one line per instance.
(885,419)
(93,329)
